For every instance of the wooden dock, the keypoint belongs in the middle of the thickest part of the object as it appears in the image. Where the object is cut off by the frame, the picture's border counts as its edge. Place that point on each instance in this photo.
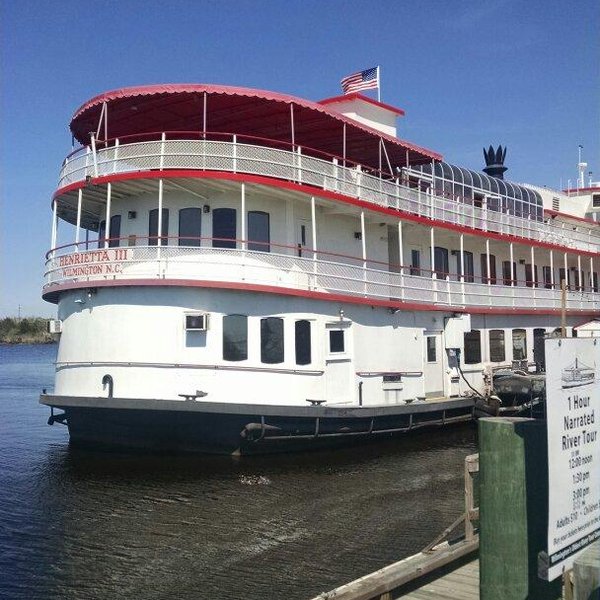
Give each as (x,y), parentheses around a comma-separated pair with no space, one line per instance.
(460,584)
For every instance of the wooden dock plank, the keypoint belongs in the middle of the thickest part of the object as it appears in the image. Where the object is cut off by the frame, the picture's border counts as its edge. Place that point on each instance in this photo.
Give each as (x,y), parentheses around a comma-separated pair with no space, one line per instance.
(461,584)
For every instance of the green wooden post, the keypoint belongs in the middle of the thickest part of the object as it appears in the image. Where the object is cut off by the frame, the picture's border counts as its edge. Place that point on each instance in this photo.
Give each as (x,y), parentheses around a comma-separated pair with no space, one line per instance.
(513,505)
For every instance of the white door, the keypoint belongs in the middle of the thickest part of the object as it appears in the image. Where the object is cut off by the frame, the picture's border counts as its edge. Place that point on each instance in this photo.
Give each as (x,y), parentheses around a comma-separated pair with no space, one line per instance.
(339,374)
(433,363)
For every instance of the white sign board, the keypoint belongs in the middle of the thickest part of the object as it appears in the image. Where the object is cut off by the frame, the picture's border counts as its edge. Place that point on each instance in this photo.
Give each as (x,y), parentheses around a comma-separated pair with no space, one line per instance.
(573,412)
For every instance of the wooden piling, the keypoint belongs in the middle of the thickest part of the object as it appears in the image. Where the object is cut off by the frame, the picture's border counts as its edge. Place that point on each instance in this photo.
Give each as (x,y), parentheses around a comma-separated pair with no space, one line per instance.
(513,506)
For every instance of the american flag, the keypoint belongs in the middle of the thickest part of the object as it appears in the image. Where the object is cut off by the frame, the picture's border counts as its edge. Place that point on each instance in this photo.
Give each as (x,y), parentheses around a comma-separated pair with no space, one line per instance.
(363,80)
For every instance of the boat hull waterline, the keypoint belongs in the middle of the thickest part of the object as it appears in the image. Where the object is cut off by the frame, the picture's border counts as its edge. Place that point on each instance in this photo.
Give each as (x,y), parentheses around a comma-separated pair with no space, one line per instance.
(218,428)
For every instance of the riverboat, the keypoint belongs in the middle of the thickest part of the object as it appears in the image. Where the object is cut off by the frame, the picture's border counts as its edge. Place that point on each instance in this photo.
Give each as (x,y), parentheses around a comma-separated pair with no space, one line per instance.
(239,271)
(578,374)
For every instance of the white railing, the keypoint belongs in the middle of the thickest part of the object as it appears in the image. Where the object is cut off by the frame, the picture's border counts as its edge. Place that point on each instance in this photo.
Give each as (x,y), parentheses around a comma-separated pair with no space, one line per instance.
(294,166)
(294,272)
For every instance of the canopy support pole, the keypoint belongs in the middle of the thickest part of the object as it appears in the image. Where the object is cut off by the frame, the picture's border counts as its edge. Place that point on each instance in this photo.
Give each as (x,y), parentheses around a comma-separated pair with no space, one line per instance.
(344,145)
(102,117)
(552,269)
(243,215)
(78,226)
(292,125)
(54,226)
(107,217)
(387,157)
(204,116)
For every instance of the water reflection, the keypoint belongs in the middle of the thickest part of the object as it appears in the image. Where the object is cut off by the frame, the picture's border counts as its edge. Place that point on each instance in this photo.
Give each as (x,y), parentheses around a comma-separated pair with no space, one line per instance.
(81,524)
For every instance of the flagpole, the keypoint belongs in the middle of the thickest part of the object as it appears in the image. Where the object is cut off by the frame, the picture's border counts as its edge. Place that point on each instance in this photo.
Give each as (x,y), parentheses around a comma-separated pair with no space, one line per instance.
(378,85)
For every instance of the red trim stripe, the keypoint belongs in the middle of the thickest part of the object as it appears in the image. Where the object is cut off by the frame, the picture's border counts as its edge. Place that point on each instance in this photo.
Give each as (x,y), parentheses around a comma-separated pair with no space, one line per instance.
(313,191)
(52,292)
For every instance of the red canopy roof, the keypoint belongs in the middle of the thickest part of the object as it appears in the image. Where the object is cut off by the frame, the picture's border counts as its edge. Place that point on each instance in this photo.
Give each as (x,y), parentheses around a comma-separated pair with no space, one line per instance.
(243,111)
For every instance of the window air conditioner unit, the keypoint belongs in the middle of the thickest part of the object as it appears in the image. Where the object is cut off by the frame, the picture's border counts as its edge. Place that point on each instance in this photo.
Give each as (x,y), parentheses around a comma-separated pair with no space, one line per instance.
(54,326)
(196,322)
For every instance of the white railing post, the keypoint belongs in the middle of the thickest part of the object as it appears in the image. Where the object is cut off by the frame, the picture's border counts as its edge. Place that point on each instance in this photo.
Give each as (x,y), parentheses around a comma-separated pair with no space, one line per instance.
(299,154)
(448,288)
(435,290)
(116,156)
(313,219)
(162,151)
(335,174)
(234,153)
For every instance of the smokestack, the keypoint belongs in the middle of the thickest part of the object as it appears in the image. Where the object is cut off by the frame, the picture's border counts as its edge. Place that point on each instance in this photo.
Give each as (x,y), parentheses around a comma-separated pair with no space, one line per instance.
(494,160)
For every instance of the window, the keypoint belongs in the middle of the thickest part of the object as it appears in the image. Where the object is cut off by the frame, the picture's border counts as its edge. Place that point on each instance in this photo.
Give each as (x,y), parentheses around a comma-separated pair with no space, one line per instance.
(271,340)
(431,350)
(531,279)
(484,274)
(595,281)
(336,340)
(440,260)
(519,342)
(190,226)
(562,276)
(115,231)
(303,348)
(101,234)
(596,201)
(575,278)
(153,227)
(224,227)
(258,231)
(508,277)
(235,337)
(469,268)
(472,347)
(415,262)
(497,349)
(547,276)
(539,357)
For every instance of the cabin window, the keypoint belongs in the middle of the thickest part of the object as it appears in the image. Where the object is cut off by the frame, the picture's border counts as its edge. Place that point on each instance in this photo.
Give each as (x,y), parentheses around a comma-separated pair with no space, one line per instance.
(595,282)
(519,343)
(508,276)
(472,347)
(431,349)
(469,269)
(531,278)
(575,278)
(562,276)
(596,201)
(190,226)
(271,340)
(539,335)
(235,337)
(547,275)
(497,348)
(415,262)
(491,278)
(115,231)
(259,236)
(441,265)
(101,234)
(153,227)
(303,345)
(224,228)
(336,340)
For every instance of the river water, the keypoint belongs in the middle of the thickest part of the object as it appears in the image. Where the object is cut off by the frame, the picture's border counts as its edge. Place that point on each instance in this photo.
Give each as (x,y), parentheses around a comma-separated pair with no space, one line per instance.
(78,524)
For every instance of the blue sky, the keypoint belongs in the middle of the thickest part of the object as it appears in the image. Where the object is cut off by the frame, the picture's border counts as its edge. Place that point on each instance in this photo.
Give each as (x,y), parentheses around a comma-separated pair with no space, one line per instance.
(524,73)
